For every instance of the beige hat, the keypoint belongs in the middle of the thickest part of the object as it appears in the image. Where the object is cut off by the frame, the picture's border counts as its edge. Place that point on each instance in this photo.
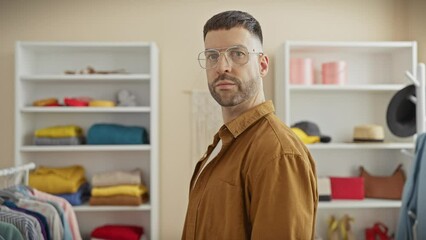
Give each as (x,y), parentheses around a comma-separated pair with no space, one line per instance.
(368,133)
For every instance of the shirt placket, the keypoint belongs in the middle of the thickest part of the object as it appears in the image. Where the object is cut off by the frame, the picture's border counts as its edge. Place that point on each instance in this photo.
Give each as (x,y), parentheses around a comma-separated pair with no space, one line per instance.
(197,190)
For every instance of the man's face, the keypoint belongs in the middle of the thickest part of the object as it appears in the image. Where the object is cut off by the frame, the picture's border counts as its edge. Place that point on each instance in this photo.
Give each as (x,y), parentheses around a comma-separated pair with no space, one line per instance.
(229,83)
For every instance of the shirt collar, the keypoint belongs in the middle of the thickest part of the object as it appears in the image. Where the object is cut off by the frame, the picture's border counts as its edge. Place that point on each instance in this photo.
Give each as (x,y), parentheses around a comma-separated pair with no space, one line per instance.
(245,120)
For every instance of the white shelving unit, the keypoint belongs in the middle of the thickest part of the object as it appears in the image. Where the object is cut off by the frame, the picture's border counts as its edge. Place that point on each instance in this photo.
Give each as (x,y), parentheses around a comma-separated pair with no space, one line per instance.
(40,74)
(376,71)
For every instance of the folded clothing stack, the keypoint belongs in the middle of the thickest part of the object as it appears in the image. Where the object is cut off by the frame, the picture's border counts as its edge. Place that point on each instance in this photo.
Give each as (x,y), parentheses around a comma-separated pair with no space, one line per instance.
(103,133)
(77,101)
(101,103)
(117,232)
(46,102)
(87,102)
(67,182)
(59,135)
(77,198)
(119,188)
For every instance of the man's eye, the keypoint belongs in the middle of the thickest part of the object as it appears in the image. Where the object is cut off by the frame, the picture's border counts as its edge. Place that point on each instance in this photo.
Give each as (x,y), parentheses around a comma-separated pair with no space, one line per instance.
(237,54)
(212,56)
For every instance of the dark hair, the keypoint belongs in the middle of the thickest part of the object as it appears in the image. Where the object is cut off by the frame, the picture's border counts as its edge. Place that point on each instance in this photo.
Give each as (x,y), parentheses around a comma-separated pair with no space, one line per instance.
(230,19)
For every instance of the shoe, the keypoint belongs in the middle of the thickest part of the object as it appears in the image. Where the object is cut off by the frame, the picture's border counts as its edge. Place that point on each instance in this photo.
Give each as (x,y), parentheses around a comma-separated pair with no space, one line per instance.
(381,231)
(345,228)
(378,231)
(332,231)
(370,234)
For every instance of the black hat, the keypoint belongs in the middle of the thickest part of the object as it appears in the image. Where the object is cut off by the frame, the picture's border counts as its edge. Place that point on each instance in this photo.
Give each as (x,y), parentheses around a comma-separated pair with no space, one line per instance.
(311,129)
(401,113)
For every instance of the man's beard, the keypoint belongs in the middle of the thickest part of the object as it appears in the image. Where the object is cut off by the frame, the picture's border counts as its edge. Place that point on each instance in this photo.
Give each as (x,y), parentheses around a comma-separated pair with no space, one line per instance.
(244,91)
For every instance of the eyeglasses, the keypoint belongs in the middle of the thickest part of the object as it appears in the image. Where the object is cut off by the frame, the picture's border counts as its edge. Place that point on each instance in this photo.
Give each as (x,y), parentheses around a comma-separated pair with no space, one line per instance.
(236,54)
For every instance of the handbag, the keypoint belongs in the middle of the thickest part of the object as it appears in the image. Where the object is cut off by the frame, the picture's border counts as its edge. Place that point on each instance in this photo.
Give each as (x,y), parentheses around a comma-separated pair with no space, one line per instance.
(347,188)
(387,187)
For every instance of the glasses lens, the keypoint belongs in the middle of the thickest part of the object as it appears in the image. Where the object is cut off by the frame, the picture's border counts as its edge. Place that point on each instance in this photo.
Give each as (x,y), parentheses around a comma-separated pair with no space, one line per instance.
(208,59)
(238,55)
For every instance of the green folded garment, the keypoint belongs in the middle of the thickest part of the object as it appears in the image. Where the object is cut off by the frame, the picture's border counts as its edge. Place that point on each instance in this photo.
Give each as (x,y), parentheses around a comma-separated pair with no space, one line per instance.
(101,133)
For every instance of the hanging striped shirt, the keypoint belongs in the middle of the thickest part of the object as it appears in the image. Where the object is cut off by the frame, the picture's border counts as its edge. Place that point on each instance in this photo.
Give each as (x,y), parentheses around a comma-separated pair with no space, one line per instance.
(27,225)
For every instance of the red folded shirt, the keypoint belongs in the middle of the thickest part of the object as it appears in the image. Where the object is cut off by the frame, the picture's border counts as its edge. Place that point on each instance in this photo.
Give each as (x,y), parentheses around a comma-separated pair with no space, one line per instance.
(117,232)
(76,102)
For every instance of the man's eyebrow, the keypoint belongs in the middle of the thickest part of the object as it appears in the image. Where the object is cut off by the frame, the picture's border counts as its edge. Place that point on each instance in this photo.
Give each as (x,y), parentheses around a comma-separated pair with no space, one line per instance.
(219,49)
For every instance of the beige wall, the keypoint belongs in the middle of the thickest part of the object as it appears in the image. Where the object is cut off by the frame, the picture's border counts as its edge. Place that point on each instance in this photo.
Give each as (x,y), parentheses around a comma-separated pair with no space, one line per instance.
(176,26)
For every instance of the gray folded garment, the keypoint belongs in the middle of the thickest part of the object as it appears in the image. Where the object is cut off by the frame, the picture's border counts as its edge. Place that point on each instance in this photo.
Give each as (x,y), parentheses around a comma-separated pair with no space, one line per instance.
(59,141)
(113,178)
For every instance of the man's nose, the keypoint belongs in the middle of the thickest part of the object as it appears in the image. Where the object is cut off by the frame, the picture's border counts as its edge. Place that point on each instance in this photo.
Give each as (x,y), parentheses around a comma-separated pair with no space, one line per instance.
(223,64)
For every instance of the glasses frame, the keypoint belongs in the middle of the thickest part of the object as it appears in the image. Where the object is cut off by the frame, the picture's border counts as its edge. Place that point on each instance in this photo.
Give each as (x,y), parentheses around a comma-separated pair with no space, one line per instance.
(224,52)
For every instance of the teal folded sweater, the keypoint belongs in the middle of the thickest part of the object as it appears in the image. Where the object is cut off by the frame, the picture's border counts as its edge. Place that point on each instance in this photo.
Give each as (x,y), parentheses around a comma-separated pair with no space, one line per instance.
(103,133)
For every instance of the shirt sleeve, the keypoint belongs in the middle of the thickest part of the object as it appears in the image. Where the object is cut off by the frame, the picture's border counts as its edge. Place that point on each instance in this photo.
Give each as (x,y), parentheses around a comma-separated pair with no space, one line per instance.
(284,199)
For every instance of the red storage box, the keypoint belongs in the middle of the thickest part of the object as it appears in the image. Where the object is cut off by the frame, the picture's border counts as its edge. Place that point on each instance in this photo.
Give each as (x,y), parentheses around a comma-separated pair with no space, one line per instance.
(347,187)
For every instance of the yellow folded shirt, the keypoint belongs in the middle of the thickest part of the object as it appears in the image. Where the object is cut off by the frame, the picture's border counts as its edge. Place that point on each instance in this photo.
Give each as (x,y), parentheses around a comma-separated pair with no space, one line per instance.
(129,190)
(59,131)
(101,103)
(57,180)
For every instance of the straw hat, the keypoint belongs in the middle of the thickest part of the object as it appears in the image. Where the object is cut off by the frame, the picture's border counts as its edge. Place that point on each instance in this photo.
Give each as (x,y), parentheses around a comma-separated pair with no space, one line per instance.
(368,133)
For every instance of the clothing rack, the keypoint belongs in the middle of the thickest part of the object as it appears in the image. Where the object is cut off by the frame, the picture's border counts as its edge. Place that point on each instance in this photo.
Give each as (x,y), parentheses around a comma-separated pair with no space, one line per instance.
(13,170)
(419,100)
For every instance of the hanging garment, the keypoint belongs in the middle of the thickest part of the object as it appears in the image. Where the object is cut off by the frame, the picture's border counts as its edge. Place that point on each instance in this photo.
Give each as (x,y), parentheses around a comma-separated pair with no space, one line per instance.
(27,225)
(25,192)
(68,210)
(9,231)
(56,229)
(412,217)
(39,217)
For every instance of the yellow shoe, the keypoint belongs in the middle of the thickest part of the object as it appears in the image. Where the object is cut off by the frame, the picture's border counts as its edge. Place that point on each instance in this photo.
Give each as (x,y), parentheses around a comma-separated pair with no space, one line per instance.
(345,228)
(333,231)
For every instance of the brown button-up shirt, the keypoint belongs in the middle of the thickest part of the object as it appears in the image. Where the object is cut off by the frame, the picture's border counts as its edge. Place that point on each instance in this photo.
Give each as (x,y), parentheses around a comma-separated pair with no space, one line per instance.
(261,185)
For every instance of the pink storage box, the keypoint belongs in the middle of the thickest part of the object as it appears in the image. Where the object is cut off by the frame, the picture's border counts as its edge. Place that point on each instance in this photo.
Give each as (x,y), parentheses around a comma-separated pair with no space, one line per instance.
(301,71)
(334,72)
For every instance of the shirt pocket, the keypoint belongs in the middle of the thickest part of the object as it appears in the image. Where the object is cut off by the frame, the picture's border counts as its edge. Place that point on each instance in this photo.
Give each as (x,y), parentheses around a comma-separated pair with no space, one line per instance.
(222,211)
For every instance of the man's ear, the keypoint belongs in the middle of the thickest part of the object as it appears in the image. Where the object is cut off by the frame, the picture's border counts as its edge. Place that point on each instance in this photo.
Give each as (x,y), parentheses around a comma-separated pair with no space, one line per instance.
(264,65)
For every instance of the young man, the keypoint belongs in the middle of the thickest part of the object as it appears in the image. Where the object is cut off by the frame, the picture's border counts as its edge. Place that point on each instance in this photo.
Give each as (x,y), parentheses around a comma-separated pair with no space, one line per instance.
(257,180)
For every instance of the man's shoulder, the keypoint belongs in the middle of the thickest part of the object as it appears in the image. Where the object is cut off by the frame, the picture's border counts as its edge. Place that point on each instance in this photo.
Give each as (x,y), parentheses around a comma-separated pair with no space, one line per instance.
(274,135)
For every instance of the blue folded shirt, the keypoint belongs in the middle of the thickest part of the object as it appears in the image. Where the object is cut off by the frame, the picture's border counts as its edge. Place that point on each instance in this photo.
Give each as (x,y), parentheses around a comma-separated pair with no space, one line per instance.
(79,197)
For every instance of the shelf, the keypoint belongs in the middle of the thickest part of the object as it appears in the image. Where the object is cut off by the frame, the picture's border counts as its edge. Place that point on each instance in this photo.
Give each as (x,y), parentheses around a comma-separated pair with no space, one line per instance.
(86,148)
(101,78)
(72,45)
(360,146)
(40,74)
(366,203)
(88,208)
(322,46)
(375,87)
(85,109)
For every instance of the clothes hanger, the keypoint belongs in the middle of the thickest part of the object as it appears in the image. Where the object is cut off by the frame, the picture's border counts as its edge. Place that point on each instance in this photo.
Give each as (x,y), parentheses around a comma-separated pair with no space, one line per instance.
(8,195)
